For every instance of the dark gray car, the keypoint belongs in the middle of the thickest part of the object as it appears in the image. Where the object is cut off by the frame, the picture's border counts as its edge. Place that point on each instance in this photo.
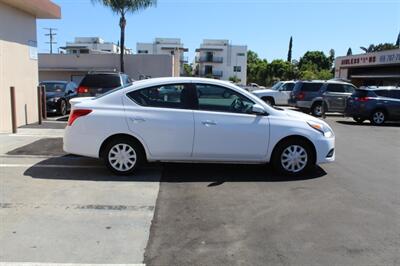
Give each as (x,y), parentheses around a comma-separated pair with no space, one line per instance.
(97,83)
(377,104)
(312,96)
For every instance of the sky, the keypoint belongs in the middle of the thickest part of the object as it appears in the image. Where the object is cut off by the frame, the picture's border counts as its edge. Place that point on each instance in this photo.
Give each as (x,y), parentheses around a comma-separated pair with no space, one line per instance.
(265,26)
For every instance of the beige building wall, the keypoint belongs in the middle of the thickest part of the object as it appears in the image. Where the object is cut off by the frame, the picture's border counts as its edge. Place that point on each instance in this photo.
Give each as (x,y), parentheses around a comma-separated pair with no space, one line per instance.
(17,31)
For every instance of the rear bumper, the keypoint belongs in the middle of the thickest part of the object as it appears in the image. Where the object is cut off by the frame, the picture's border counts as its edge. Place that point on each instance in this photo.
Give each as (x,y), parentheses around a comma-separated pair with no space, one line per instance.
(76,142)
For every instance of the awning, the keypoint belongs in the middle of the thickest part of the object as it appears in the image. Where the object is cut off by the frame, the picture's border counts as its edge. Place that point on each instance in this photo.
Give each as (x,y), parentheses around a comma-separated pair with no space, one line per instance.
(37,8)
(372,76)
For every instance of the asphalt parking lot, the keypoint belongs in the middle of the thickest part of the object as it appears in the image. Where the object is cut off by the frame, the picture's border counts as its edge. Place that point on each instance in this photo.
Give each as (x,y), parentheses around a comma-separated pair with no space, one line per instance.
(60,208)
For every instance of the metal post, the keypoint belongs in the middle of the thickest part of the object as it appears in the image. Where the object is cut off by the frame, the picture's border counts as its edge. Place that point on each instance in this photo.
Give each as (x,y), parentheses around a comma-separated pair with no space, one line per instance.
(44,107)
(39,97)
(13,110)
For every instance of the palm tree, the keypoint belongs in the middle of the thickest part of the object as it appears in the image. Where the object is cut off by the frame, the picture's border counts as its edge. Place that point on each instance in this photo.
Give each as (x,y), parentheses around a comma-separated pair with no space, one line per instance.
(121,8)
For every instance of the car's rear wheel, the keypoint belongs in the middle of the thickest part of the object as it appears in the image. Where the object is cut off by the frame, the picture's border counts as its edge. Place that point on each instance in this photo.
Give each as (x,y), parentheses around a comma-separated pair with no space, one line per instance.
(378,117)
(293,157)
(358,119)
(123,156)
(316,109)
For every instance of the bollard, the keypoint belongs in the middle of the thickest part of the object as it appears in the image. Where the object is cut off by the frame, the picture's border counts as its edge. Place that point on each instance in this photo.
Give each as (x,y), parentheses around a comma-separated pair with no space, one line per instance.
(39,97)
(44,107)
(13,110)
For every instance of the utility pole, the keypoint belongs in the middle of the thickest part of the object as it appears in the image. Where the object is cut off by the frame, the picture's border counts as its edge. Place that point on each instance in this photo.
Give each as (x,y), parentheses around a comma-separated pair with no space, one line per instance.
(51,35)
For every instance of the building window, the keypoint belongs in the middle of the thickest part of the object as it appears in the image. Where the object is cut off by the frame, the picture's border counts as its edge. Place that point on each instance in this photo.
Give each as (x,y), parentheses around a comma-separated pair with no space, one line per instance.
(240,54)
(237,69)
(143,52)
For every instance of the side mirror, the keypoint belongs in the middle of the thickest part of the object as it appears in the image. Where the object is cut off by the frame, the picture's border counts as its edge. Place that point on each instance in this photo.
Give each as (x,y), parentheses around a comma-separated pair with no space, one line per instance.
(258,110)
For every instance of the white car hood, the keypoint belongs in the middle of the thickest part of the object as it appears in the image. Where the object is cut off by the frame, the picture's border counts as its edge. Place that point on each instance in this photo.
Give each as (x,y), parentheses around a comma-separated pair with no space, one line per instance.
(262,91)
(304,117)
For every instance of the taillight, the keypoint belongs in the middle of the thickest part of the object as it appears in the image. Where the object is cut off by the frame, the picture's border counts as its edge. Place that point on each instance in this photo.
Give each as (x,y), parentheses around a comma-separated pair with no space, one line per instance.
(300,96)
(77,113)
(83,89)
(362,99)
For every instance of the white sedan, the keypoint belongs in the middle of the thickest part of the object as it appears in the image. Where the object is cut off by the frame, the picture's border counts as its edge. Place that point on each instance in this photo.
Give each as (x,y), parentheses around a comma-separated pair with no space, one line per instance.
(200,120)
(278,94)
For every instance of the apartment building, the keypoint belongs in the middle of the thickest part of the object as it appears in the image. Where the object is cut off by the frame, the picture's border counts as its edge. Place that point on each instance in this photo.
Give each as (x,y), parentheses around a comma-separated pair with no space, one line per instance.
(170,46)
(221,60)
(19,58)
(92,45)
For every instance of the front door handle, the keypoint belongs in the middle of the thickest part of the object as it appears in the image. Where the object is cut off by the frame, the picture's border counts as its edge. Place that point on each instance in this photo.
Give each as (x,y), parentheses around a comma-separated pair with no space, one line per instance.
(208,123)
(137,120)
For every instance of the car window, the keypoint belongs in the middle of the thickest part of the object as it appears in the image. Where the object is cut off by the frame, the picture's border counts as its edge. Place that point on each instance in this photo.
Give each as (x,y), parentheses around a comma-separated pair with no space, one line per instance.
(101,81)
(166,96)
(54,87)
(288,87)
(311,86)
(221,99)
(335,88)
(382,93)
(349,88)
(277,86)
(126,79)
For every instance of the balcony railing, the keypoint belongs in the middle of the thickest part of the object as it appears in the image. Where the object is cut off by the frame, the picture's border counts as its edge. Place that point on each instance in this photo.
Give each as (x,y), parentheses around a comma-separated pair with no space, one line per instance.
(215,73)
(209,59)
(184,59)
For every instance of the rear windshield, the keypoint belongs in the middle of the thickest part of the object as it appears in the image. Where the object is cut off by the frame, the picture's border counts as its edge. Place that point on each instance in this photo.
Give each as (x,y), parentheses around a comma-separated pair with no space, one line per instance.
(101,81)
(54,87)
(382,93)
(311,86)
(363,93)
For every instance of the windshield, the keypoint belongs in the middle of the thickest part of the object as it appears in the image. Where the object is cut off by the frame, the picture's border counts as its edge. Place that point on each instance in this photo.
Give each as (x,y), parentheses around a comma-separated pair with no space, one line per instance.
(54,87)
(277,85)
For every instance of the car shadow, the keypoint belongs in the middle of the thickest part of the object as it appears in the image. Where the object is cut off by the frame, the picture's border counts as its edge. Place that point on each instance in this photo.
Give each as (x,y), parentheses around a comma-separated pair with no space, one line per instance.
(87,169)
(353,123)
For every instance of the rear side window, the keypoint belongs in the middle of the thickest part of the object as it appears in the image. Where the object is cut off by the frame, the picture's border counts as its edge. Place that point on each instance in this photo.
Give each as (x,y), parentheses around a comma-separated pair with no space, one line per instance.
(394,94)
(288,87)
(165,96)
(382,93)
(311,86)
(363,93)
(335,88)
(101,81)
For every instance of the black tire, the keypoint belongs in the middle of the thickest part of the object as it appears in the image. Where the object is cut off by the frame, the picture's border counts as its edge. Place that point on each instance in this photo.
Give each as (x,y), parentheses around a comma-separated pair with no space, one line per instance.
(63,108)
(111,158)
(316,109)
(378,117)
(358,119)
(268,100)
(279,156)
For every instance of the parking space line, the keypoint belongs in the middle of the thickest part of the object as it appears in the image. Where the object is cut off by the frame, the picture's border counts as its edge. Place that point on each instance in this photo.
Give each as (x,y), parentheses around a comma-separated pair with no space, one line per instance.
(64,264)
(11,165)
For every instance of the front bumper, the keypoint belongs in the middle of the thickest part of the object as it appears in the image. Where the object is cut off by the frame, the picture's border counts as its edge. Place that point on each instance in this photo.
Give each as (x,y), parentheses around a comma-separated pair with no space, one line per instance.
(325,148)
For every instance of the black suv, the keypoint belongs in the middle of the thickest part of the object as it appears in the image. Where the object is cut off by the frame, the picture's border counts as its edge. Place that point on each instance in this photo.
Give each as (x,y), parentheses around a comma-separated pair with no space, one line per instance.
(97,83)
(376,104)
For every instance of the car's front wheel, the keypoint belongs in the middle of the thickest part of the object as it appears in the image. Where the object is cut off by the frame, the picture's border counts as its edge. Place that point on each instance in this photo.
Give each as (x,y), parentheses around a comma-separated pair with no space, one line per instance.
(123,156)
(293,157)
(358,119)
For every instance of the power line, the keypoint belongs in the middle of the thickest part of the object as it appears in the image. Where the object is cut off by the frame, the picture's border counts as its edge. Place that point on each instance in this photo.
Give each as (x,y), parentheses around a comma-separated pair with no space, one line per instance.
(51,35)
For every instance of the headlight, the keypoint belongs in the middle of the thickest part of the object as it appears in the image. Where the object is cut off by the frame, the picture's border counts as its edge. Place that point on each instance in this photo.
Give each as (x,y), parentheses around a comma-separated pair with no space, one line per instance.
(324,130)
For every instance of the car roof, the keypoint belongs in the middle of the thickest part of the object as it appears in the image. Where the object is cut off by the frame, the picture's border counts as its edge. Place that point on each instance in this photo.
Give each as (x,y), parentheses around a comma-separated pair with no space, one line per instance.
(158,81)
(325,81)
(55,81)
(375,88)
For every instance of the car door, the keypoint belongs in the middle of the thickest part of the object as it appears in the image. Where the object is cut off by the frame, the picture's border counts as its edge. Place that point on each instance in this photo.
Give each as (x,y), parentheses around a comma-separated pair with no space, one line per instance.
(225,128)
(284,93)
(335,95)
(394,104)
(163,121)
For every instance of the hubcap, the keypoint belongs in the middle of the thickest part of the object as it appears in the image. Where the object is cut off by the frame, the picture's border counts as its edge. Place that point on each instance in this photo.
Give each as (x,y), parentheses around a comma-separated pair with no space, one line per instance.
(318,110)
(63,108)
(122,157)
(379,117)
(294,158)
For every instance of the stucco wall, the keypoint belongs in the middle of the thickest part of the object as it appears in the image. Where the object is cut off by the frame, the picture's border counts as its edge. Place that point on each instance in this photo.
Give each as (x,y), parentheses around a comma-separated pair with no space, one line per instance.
(17,30)
(62,66)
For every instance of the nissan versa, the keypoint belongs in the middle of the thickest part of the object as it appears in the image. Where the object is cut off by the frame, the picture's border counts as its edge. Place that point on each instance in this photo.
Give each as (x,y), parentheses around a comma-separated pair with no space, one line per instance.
(194,120)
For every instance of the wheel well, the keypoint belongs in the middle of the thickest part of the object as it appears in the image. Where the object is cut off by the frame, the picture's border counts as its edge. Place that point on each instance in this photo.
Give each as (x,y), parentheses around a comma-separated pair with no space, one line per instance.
(297,137)
(270,98)
(380,109)
(120,136)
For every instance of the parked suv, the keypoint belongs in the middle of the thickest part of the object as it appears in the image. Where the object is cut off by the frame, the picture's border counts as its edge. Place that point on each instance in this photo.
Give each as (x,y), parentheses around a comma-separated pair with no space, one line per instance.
(315,95)
(277,94)
(97,83)
(377,104)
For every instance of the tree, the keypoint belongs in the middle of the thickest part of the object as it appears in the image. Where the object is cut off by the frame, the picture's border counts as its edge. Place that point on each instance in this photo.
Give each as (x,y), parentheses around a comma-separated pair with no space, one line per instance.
(289,56)
(316,58)
(122,8)
(234,79)
(187,70)
(349,51)
(377,48)
(398,41)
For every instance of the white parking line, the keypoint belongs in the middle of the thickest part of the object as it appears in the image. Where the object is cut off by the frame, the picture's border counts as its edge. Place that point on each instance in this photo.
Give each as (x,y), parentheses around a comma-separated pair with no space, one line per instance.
(10,165)
(62,264)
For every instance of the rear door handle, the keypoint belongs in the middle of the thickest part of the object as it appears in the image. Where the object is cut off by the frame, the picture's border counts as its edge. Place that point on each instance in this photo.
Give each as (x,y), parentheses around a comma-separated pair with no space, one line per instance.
(208,123)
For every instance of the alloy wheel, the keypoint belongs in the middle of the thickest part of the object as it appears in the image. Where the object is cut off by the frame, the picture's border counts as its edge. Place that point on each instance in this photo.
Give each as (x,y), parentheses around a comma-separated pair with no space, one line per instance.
(378,117)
